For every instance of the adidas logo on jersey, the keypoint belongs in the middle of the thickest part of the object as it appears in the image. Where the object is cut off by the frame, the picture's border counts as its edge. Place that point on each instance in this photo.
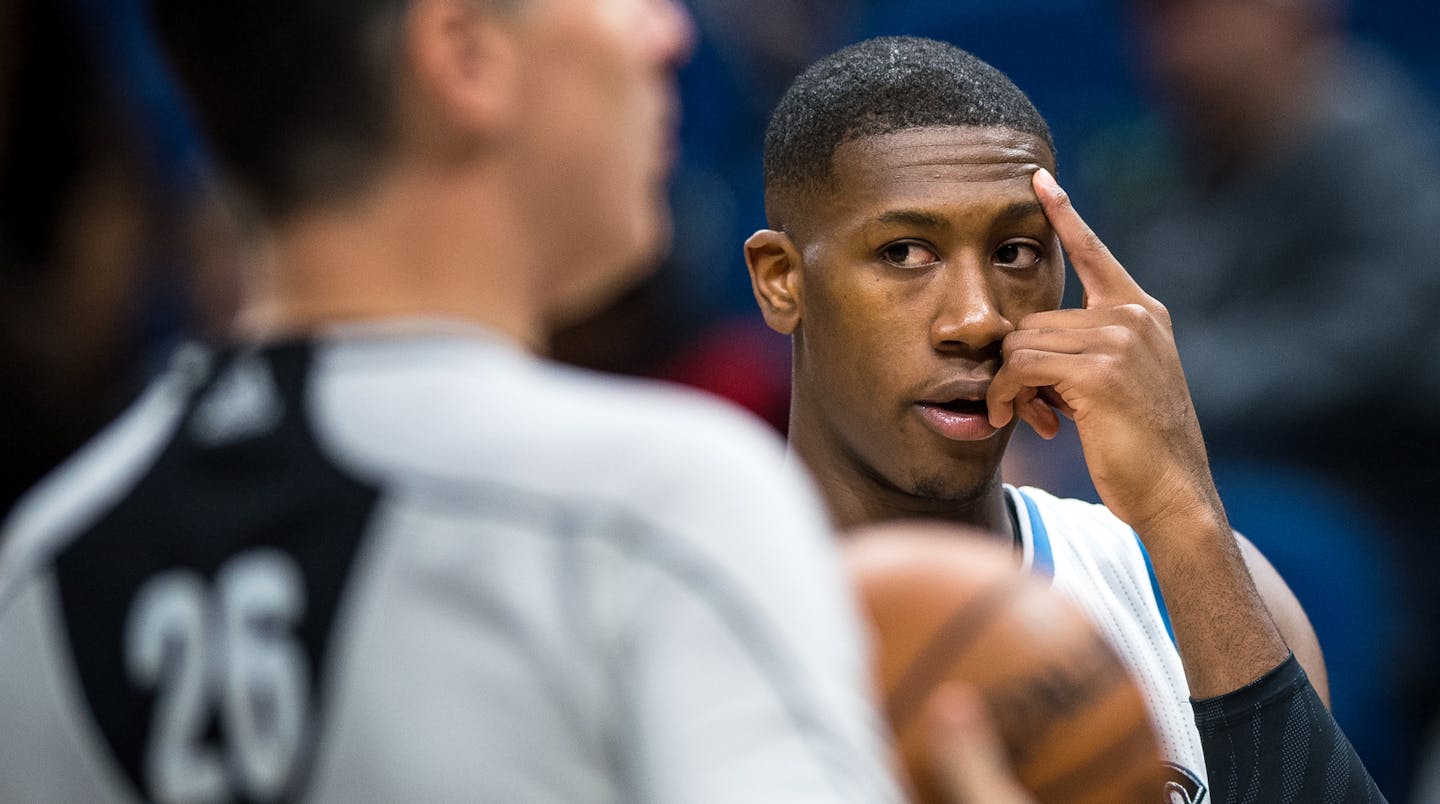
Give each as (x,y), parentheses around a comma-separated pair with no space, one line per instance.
(243,403)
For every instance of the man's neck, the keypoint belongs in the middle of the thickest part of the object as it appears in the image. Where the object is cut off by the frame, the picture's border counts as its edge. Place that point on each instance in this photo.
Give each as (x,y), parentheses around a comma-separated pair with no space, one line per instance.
(987,510)
(418,245)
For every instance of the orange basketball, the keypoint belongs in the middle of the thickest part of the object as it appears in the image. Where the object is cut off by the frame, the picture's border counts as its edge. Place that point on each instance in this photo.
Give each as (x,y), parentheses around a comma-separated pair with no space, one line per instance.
(946,604)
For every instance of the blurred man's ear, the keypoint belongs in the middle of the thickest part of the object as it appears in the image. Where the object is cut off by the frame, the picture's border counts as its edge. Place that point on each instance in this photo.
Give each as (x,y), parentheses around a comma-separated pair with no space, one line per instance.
(774,264)
(463,61)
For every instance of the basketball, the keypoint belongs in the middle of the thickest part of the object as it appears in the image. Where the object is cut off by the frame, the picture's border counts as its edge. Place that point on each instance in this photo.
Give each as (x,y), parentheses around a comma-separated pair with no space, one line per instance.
(950,604)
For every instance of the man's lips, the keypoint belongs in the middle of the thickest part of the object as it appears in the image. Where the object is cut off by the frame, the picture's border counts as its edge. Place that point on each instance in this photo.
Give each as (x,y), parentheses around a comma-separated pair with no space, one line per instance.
(958,389)
(957,410)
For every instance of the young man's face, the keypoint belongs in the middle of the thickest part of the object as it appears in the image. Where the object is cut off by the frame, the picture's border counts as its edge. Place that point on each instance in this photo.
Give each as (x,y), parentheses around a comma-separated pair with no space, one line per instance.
(601,115)
(928,248)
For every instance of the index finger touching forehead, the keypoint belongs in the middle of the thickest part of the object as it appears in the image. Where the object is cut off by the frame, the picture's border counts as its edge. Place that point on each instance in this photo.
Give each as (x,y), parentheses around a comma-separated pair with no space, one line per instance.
(1100,274)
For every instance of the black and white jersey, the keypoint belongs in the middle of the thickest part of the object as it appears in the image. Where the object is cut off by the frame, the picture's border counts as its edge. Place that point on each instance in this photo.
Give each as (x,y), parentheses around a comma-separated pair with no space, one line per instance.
(418,564)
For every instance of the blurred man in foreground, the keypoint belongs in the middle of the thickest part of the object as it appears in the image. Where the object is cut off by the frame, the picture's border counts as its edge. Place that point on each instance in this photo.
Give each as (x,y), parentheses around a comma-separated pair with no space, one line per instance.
(371,548)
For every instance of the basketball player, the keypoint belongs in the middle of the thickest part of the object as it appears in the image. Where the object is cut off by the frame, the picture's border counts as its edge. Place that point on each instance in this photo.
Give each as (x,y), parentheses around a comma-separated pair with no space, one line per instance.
(914,253)
(373,548)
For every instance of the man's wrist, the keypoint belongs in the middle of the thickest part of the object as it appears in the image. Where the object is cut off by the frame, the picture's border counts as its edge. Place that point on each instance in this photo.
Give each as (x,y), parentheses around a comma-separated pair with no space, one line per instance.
(1275,682)
(1186,518)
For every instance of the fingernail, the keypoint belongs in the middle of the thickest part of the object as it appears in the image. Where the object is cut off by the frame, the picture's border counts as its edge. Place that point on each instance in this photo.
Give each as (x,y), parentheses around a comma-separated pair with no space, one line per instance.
(1046,182)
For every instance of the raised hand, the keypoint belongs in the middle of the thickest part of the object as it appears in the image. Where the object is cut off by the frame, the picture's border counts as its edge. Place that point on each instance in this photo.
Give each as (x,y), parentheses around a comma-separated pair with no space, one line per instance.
(1112,367)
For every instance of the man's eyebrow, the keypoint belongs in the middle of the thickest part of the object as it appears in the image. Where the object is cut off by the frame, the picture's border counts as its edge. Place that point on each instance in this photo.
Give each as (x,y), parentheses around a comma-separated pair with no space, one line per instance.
(1020,210)
(914,217)
(1016,211)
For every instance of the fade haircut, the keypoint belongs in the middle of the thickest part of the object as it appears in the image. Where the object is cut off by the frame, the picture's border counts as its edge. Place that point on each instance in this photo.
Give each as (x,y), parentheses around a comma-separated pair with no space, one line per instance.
(881,86)
(296,96)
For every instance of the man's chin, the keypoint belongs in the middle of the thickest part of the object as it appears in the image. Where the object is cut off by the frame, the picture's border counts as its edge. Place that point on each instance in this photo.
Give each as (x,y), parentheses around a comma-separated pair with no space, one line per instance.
(588,296)
(654,236)
(964,472)
(954,490)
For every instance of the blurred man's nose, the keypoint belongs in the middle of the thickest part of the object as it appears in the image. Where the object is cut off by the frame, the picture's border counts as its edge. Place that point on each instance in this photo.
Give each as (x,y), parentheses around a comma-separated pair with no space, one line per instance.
(675,31)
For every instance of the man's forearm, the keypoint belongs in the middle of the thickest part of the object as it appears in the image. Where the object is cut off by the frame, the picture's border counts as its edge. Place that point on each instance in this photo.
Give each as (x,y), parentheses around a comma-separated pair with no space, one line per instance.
(1224,632)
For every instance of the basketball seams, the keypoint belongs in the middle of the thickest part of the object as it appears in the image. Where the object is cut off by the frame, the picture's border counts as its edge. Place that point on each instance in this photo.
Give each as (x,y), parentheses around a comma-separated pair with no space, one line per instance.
(1098,769)
(947,645)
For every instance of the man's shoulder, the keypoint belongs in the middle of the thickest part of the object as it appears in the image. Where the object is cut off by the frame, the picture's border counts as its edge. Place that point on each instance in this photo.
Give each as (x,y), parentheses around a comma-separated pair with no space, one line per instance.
(665,416)
(1082,533)
(87,484)
(1074,515)
(475,414)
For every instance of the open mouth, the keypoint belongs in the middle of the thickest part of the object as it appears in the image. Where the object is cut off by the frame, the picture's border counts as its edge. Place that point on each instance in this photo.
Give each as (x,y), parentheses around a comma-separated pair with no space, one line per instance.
(967,406)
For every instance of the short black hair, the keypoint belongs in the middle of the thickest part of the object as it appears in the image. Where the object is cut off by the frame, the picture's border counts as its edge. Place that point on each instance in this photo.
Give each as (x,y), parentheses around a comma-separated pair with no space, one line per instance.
(880,86)
(296,96)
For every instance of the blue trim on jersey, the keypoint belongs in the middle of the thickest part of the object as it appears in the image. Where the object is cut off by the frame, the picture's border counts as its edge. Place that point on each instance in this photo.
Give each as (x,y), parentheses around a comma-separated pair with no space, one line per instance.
(1155,587)
(1044,561)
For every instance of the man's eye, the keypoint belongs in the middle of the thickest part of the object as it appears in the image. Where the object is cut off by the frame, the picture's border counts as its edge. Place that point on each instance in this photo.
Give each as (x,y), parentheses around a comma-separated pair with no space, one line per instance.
(906,254)
(1019,256)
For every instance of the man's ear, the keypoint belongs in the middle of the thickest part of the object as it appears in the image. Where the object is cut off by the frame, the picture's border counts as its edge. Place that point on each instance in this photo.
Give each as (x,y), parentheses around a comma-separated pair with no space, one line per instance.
(464,60)
(775,276)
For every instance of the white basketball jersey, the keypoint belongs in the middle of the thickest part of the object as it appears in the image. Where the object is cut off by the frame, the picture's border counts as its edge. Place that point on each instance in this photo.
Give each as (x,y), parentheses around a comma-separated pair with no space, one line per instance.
(1099,563)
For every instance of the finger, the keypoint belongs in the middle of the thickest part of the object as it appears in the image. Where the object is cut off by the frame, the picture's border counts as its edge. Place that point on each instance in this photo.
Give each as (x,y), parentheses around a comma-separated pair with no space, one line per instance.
(1040,417)
(1114,339)
(971,763)
(1057,402)
(1033,410)
(1000,398)
(1104,279)
(1042,413)
(1062,341)
(1038,368)
(1025,409)
(1073,318)
(1006,394)
(1116,330)
(1034,369)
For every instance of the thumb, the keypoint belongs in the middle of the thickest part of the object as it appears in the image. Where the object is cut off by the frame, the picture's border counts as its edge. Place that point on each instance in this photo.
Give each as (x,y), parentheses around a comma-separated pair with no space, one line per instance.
(969,758)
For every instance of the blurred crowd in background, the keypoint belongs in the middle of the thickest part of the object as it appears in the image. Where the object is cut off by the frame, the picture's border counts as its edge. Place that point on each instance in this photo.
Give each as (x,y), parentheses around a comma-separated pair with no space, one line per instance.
(1269,169)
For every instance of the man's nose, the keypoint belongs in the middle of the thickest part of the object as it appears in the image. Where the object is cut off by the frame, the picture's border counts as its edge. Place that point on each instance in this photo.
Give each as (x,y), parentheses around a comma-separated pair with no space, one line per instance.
(676,31)
(968,315)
